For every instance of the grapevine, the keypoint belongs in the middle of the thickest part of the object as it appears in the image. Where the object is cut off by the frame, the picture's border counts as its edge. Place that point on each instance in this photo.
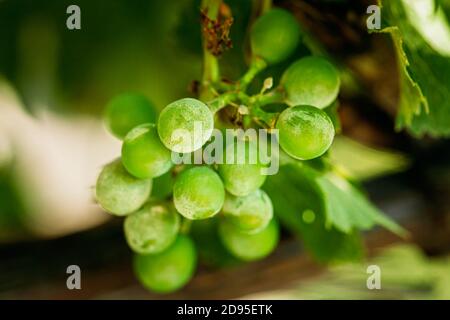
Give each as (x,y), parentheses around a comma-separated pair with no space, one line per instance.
(157,223)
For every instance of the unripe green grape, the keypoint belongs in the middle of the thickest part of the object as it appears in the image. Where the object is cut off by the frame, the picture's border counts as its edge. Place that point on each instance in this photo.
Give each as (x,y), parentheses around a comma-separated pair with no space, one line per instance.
(305,132)
(143,154)
(120,193)
(311,81)
(152,229)
(185,125)
(251,213)
(244,174)
(274,36)
(127,111)
(168,270)
(198,193)
(247,246)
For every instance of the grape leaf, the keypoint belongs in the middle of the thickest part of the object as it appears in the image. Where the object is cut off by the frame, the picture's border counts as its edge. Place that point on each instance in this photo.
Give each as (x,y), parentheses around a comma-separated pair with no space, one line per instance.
(361,162)
(298,206)
(421,35)
(348,209)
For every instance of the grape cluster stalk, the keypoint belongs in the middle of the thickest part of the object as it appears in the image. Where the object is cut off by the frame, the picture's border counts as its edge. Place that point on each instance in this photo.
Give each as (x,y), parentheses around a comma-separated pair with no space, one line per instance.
(160,200)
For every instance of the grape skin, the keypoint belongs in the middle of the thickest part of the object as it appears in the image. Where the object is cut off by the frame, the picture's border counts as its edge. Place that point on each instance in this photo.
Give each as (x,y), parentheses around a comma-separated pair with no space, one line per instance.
(249,247)
(198,193)
(305,132)
(168,270)
(126,111)
(118,192)
(176,125)
(151,229)
(251,213)
(274,36)
(143,154)
(243,177)
(311,81)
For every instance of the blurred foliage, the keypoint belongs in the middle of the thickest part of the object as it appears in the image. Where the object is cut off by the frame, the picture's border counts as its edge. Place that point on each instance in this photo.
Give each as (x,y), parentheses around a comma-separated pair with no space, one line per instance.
(153,47)
(405,274)
(300,208)
(361,162)
(11,207)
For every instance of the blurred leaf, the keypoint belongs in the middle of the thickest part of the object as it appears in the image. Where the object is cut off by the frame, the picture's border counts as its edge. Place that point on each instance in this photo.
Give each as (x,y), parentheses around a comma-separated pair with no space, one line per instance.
(362,162)
(343,206)
(11,208)
(421,37)
(297,204)
(348,209)
(406,273)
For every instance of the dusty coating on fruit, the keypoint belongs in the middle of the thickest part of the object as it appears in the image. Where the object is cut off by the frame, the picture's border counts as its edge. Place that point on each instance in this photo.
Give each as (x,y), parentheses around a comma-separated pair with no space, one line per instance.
(198,193)
(274,36)
(185,125)
(118,192)
(151,229)
(168,270)
(127,111)
(143,154)
(245,174)
(311,81)
(247,246)
(305,132)
(251,213)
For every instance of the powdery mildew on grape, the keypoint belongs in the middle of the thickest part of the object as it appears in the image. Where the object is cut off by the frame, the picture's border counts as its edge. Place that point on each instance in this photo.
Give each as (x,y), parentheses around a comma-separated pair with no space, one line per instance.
(152,229)
(185,125)
(118,192)
(306,132)
(251,213)
(198,193)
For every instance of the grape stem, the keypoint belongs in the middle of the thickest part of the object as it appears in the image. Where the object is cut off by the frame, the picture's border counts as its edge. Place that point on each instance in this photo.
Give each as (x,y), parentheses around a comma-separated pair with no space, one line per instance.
(223,100)
(211,72)
(274,96)
(254,104)
(256,66)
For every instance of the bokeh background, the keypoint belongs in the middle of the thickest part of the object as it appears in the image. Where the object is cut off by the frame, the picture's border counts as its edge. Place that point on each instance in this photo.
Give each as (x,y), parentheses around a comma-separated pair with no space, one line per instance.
(55,83)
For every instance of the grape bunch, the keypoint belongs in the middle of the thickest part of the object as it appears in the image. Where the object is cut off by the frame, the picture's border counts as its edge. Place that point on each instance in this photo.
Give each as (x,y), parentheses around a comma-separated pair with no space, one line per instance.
(161,200)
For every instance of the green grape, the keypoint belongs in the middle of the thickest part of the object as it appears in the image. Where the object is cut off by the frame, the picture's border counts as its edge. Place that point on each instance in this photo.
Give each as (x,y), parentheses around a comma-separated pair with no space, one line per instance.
(118,192)
(127,111)
(274,36)
(305,132)
(185,125)
(311,81)
(198,193)
(251,213)
(247,246)
(244,174)
(152,229)
(168,270)
(143,154)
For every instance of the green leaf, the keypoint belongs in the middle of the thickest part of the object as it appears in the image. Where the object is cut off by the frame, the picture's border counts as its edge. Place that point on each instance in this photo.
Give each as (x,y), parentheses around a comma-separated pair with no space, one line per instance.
(421,36)
(298,205)
(362,162)
(348,209)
